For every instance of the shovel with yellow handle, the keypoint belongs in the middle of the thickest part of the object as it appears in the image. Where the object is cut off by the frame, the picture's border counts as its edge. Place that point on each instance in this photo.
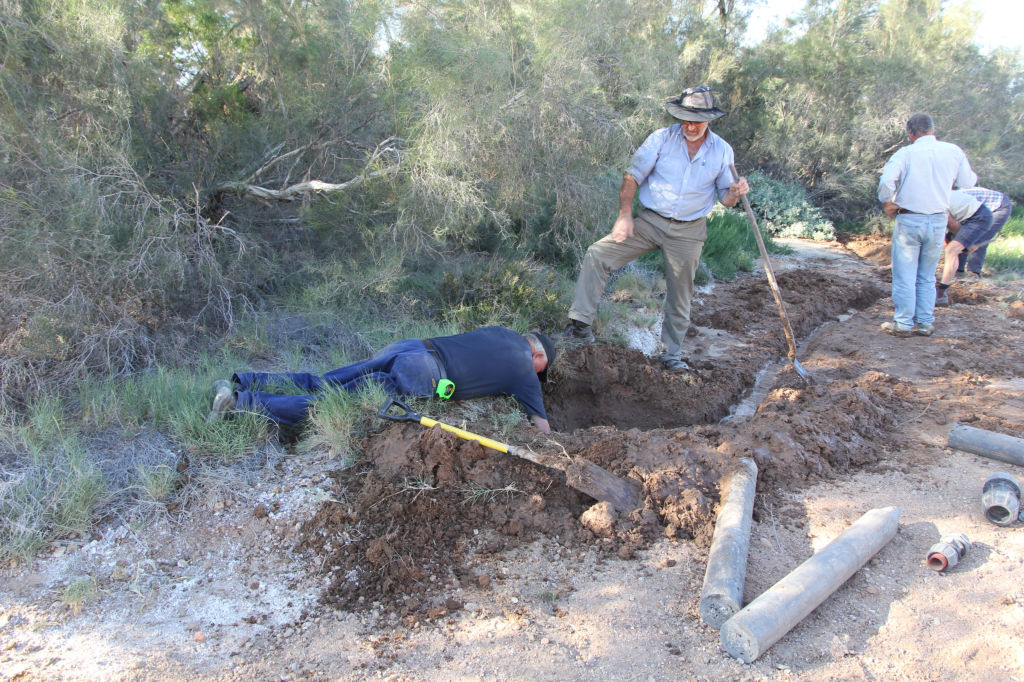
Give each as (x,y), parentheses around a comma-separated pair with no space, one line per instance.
(584,476)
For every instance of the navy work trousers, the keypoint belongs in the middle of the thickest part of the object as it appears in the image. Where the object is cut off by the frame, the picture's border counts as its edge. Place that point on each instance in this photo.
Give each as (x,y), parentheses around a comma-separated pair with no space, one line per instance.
(403,368)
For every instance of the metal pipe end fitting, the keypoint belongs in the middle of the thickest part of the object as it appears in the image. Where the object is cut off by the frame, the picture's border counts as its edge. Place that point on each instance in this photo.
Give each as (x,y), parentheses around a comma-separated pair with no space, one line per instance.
(1000,497)
(948,551)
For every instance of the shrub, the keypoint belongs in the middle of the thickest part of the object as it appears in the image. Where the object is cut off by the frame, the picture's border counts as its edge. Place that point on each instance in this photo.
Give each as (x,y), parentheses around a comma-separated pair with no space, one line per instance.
(785,211)
(519,294)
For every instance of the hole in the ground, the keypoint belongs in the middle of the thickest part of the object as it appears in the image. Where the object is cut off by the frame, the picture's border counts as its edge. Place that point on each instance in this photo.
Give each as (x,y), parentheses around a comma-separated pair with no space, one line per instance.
(603,385)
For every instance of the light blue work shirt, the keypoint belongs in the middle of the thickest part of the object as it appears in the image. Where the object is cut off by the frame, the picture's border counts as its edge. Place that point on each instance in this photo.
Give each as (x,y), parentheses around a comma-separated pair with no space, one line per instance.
(920,176)
(673,184)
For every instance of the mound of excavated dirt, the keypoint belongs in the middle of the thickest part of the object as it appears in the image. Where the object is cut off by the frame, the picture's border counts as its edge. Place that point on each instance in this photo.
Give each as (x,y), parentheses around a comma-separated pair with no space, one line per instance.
(424,505)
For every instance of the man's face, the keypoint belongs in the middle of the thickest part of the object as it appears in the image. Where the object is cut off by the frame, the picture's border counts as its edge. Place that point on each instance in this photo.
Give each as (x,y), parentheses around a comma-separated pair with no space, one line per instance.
(694,131)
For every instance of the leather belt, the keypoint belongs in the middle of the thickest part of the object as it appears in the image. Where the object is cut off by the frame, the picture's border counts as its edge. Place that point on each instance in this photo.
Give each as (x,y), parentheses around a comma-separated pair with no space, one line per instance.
(903,211)
(673,220)
(437,356)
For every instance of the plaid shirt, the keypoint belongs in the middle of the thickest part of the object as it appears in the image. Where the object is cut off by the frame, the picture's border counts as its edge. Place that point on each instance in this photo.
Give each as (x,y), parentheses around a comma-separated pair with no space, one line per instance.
(991,198)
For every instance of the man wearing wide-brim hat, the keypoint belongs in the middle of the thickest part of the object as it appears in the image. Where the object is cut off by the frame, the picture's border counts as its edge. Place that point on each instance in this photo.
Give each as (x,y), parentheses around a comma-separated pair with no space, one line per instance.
(677,173)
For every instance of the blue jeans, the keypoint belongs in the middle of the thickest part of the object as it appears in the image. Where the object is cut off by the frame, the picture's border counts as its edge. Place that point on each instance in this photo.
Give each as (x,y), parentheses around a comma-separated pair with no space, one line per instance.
(403,368)
(976,259)
(917,242)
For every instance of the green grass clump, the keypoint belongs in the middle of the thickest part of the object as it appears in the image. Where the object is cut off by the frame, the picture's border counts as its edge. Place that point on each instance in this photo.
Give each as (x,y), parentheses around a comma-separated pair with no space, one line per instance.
(78,591)
(730,246)
(51,487)
(156,482)
(339,420)
(176,400)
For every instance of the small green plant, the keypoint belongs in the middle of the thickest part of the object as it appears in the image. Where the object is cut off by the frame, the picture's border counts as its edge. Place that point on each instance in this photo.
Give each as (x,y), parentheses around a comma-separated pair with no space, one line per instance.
(226,440)
(640,287)
(156,483)
(418,486)
(79,591)
(505,416)
(479,494)
(730,246)
(518,294)
(548,596)
(703,275)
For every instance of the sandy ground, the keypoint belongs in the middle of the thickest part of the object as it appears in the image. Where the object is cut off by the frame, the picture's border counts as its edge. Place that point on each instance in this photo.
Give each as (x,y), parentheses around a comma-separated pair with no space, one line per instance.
(295,569)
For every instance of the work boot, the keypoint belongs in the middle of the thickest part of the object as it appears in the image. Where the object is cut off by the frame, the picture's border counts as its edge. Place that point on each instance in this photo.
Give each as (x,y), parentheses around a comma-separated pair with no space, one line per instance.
(223,400)
(891,327)
(577,333)
(674,364)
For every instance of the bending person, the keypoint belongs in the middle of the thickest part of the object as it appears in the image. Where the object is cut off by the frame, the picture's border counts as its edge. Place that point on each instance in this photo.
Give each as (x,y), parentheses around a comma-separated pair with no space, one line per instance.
(972,258)
(488,361)
(970,222)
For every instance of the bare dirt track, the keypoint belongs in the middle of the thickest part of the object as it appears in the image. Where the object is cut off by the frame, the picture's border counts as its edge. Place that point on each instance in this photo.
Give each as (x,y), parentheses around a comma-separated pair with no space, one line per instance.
(434,558)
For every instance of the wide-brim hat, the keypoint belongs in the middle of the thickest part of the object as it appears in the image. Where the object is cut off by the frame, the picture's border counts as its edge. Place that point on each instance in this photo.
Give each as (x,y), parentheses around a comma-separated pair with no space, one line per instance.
(694,104)
(549,350)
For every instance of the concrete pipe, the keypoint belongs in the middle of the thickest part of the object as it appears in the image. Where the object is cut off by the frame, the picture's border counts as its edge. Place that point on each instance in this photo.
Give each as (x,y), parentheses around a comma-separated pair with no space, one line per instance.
(765,620)
(987,444)
(1000,497)
(722,594)
(948,551)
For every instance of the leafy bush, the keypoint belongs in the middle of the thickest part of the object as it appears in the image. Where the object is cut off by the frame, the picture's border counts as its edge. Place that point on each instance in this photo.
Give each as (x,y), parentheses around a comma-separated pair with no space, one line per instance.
(784,210)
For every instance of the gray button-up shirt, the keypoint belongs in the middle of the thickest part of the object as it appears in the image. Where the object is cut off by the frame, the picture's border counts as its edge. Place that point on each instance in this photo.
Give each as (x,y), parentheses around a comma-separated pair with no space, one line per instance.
(673,184)
(920,176)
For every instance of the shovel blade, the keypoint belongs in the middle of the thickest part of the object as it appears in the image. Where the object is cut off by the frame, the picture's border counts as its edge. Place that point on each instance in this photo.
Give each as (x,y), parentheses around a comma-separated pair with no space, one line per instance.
(602,485)
(804,374)
(588,478)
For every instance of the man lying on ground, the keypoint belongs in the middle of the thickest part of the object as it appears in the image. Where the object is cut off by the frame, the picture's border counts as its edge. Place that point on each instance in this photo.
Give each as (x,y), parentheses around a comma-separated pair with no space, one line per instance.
(488,361)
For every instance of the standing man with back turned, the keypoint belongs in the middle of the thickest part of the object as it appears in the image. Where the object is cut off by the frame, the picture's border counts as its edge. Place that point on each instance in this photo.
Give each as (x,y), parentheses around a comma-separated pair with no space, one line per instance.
(679,172)
(914,188)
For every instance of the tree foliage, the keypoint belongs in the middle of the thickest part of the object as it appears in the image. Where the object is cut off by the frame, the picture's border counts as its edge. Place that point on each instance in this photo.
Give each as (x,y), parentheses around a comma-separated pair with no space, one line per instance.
(829,97)
(170,164)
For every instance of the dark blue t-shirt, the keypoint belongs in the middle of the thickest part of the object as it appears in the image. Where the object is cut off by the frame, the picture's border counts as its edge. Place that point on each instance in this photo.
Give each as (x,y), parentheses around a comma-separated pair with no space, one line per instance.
(492,361)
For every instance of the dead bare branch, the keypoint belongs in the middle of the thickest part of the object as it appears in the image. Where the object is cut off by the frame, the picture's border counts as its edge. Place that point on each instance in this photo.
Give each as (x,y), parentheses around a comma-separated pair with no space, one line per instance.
(301,188)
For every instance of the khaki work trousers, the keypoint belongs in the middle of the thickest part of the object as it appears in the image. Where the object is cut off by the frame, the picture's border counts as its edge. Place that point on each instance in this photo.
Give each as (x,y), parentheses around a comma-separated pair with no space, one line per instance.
(680,243)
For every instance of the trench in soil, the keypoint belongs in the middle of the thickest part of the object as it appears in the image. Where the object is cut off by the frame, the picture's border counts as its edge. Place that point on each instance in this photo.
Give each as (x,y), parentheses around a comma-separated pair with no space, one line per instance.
(423,508)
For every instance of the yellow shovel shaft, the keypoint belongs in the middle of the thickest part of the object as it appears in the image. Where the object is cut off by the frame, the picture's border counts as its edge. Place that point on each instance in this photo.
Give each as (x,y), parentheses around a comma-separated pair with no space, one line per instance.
(486,442)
